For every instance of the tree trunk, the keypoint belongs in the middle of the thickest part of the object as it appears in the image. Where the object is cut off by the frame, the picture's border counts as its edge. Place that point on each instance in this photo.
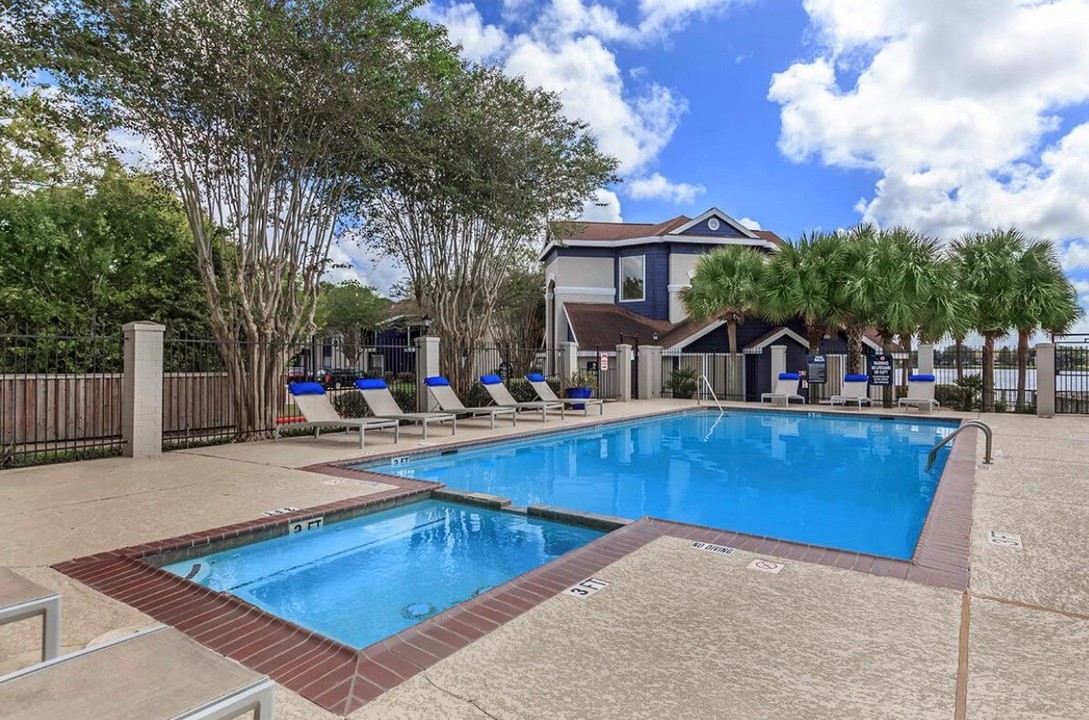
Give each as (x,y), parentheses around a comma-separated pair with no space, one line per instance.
(988,372)
(1022,367)
(905,342)
(814,338)
(731,334)
(854,350)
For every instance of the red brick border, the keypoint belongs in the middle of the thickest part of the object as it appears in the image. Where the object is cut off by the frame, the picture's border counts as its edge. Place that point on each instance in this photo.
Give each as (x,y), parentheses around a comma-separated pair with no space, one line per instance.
(341,679)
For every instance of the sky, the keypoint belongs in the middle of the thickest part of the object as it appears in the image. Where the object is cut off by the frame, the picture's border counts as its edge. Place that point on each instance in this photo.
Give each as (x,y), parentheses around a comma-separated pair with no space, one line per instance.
(794,115)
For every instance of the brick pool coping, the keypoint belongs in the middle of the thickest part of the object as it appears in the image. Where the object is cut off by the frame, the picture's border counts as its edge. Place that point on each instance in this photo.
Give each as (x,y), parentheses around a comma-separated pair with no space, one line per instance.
(342,679)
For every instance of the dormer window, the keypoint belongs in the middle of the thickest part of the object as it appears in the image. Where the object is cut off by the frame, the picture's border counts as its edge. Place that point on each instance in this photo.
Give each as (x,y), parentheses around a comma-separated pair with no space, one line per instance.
(632,278)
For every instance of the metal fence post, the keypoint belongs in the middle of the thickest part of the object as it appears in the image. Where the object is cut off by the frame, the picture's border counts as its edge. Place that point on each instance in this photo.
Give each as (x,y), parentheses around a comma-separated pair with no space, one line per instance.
(1045,380)
(427,365)
(142,390)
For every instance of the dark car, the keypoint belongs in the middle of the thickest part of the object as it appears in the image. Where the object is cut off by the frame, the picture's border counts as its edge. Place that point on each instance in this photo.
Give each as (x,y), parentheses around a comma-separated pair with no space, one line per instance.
(337,378)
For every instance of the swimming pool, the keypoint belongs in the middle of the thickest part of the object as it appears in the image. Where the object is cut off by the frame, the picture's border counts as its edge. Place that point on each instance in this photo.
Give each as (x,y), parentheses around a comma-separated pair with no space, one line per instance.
(361,580)
(842,482)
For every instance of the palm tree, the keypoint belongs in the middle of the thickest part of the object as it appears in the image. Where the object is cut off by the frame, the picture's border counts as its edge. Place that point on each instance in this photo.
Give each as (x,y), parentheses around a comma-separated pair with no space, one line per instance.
(987,265)
(1045,299)
(726,285)
(801,281)
(906,285)
(849,307)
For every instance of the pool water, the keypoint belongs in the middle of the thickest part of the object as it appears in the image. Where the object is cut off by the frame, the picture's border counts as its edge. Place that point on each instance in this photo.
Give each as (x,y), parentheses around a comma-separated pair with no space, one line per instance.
(834,481)
(361,580)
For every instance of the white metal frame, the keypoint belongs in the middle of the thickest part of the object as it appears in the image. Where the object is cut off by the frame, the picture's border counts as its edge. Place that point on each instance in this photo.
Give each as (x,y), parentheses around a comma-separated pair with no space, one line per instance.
(49,607)
(620,277)
(257,697)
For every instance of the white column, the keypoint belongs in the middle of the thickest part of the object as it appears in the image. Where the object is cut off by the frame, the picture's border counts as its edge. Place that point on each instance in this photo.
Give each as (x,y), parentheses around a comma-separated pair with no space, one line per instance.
(926,359)
(427,365)
(650,372)
(142,390)
(1045,380)
(568,361)
(624,359)
(778,362)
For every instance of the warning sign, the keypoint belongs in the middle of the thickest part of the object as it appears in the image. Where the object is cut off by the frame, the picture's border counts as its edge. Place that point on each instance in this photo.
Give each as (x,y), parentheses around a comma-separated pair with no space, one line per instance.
(604,363)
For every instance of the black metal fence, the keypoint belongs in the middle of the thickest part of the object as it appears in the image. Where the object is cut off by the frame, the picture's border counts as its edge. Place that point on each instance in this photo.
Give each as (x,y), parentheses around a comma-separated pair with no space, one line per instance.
(511,364)
(1072,374)
(60,395)
(962,385)
(682,372)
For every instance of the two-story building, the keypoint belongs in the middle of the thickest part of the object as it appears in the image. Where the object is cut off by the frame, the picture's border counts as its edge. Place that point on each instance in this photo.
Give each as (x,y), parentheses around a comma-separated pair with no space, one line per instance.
(608,283)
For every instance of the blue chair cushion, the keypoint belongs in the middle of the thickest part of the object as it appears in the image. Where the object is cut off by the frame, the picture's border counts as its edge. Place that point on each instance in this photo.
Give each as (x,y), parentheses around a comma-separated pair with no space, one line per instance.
(921,378)
(306,388)
(436,381)
(491,379)
(855,378)
(371,384)
(535,377)
(789,376)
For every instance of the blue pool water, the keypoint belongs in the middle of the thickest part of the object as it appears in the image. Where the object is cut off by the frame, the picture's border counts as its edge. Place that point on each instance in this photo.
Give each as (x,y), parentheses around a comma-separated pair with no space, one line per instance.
(834,481)
(364,579)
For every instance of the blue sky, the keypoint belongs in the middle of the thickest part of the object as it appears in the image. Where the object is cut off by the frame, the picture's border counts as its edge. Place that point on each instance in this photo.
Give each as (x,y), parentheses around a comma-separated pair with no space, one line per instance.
(945,115)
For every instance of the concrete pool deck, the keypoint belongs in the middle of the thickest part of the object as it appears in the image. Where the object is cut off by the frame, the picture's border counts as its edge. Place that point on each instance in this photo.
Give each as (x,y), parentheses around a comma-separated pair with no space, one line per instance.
(678,631)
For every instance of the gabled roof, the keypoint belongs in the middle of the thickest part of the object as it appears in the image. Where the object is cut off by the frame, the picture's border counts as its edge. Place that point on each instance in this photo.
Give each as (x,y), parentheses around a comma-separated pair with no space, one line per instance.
(606,231)
(600,325)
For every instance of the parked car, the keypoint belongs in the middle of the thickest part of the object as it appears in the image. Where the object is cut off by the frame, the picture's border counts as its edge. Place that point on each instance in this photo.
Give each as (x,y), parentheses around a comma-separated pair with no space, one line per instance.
(337,378)
(296,374)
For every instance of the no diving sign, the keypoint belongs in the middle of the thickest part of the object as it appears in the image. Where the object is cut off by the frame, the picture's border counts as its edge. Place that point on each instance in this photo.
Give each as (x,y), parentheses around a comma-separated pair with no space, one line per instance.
(767,566)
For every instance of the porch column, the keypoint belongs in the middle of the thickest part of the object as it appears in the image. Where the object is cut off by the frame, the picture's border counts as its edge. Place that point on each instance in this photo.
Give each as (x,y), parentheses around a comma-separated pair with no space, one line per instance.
(568,361)
(623,371)
(427,365)
(778,362)
(650,372)
(1045,380)
(142,390)
(926,359)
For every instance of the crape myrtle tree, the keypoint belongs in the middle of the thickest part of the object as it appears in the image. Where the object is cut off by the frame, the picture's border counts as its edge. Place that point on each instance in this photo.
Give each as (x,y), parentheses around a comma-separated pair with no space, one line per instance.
(264,117)
(518,325)
(488,162)
(348,311)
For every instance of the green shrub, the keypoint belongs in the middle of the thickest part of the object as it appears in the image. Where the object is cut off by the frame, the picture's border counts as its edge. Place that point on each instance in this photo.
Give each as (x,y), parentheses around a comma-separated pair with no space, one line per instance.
(519,389)
(350,404)
(682,383)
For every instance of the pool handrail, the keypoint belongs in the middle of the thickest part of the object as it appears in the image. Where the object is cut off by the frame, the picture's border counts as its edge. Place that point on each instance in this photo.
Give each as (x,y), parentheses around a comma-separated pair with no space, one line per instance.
(699,396)
(949,438)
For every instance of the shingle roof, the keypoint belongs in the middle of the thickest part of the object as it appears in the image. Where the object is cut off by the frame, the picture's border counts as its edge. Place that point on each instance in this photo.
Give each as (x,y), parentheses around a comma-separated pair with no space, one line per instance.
(600,325)
(606,231)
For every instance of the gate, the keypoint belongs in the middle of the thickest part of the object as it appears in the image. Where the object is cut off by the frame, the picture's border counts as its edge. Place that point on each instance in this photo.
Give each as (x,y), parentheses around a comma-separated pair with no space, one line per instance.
(1072,373)
(634,362)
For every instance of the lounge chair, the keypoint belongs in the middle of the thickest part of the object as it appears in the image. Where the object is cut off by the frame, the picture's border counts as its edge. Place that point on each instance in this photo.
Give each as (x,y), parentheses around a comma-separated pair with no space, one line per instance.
(856,389)
(314,404)
(546,394)
(380,400)
(920,393)
(21,599)
(502,397)
(153,674)
(786,389)
(444,395)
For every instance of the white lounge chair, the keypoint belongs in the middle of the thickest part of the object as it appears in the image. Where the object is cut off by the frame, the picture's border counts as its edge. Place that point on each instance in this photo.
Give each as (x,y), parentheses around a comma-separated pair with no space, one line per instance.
(444,395)
(314,404)
(786,389)
(21,599)
(546,394)
(502,397)
(155,674)
(380,400)
(856,389)
(920,394)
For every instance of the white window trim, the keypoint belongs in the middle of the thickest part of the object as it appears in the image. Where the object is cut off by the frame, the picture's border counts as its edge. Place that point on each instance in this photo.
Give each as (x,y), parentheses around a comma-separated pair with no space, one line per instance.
(620,290)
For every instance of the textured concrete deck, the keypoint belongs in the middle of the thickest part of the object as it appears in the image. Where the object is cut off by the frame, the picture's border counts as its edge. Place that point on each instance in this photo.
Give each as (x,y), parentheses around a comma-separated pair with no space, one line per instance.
(678,632)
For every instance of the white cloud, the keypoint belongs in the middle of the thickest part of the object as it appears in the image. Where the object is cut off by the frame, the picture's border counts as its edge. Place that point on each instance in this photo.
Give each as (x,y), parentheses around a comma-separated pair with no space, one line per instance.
(603,207)
(750,223)
(354,261)
(479,42)
(1075,256)
(951,105)
(658,187)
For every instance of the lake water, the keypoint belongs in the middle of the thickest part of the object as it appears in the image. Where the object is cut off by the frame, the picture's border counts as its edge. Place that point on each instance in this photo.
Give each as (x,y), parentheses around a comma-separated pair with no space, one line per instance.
(1006,378)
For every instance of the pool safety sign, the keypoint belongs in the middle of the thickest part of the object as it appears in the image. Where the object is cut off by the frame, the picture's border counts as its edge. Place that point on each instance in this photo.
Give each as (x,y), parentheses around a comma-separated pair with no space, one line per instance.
(586,588)
(766,566)
(816,369)
(603,363)
(719,549)
(881,366)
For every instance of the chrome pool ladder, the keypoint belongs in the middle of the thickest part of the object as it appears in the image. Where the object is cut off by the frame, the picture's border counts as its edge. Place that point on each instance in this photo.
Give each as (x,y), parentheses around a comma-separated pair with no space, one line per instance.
(949,438)
(707,383)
